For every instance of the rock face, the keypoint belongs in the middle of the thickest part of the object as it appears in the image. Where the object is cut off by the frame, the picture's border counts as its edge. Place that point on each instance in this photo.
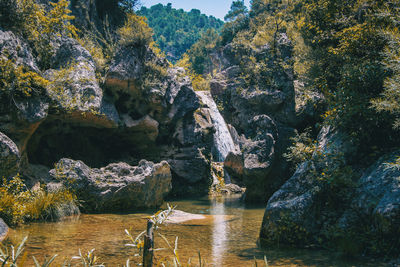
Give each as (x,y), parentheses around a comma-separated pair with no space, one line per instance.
(174,118)
(122,120)
(14,48)
(116,187)
(298,201)
(377,197)
(3,230)
(21,117)
(9,157)
(263,118)
(306,208)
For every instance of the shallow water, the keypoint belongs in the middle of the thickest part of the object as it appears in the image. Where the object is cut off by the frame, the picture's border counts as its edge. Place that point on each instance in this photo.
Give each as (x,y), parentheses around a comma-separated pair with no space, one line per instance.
(227,237)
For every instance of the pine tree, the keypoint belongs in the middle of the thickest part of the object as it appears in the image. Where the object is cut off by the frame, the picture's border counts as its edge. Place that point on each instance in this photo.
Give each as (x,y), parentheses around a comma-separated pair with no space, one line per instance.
(238,10)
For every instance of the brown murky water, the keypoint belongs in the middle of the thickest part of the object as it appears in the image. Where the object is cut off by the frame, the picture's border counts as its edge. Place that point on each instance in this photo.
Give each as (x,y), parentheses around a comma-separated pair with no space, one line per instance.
(226,238)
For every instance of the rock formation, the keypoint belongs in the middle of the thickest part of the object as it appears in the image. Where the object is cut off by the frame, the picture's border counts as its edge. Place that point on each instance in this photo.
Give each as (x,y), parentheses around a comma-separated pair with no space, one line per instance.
(3,230)
(116,187)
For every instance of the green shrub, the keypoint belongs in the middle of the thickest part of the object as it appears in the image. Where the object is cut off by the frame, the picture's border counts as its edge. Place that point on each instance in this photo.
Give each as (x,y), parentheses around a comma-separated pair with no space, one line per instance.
(302,149)
(135,32)
(17,81)
(42,27)
(19,205)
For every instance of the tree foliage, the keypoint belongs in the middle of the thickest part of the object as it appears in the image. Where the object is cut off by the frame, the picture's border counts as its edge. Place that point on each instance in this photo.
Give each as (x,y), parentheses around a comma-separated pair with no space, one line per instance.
(348,44)
(176,30)
(238,9)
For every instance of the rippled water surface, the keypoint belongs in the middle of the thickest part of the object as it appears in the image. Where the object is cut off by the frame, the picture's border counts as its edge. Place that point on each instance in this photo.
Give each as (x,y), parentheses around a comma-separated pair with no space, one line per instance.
(227,237)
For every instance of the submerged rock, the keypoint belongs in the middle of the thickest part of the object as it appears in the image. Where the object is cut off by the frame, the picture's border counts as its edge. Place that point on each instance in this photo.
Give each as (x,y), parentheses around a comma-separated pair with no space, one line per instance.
(118,186)
(178,216)
(3,230)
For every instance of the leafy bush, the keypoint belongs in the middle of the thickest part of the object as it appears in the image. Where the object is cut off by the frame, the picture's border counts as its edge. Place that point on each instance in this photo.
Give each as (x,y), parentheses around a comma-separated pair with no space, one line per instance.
(19,205)
(135,32)
(347,44)
(302,149)
(17,81)
(42,28)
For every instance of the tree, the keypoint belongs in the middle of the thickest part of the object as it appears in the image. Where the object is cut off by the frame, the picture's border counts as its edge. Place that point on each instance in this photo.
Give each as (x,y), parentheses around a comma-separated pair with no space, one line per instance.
(175,31)
(347,40)
(238,10)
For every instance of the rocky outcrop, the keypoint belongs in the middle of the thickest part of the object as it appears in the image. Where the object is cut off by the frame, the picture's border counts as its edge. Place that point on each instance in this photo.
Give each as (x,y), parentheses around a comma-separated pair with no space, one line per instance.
(377,197)
(20,117)
(124,121)
(298,201)
(263,116)
(9,157)
(74,92)
(116,187)
(259,165)
(3,230)
(170,114)
(309,206)
(190,158)
(17,50)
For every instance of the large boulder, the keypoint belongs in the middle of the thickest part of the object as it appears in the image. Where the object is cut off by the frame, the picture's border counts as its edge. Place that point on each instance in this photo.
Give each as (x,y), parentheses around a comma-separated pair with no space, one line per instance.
(301,207)
(116,187)
(75,92)
(3,230)
(376,202)
(9,157)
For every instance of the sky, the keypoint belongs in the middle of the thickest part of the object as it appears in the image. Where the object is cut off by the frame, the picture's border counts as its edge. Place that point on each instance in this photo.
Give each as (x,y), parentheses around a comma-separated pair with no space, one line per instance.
(216,8)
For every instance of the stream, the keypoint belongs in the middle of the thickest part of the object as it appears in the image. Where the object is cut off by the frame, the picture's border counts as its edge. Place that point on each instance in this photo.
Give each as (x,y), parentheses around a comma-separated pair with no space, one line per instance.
(226,237)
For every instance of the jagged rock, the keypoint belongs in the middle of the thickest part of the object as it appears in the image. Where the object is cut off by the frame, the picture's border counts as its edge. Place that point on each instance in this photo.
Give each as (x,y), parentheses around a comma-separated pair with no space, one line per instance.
(118,186)
(75,92)
(190,160)
(9,157)
(3,230)
(128,66)
(257,166)
(185,102)
(230,189)
(14,48)
(167,101)
(20,117)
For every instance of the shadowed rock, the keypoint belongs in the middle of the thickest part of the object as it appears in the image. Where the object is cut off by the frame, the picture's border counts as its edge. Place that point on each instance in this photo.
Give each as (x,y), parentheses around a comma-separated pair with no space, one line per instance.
(118,186)
(9,157)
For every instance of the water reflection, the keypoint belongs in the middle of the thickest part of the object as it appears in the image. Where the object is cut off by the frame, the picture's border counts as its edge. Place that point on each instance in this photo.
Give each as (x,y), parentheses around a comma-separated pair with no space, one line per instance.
(227,237)
(219,231)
